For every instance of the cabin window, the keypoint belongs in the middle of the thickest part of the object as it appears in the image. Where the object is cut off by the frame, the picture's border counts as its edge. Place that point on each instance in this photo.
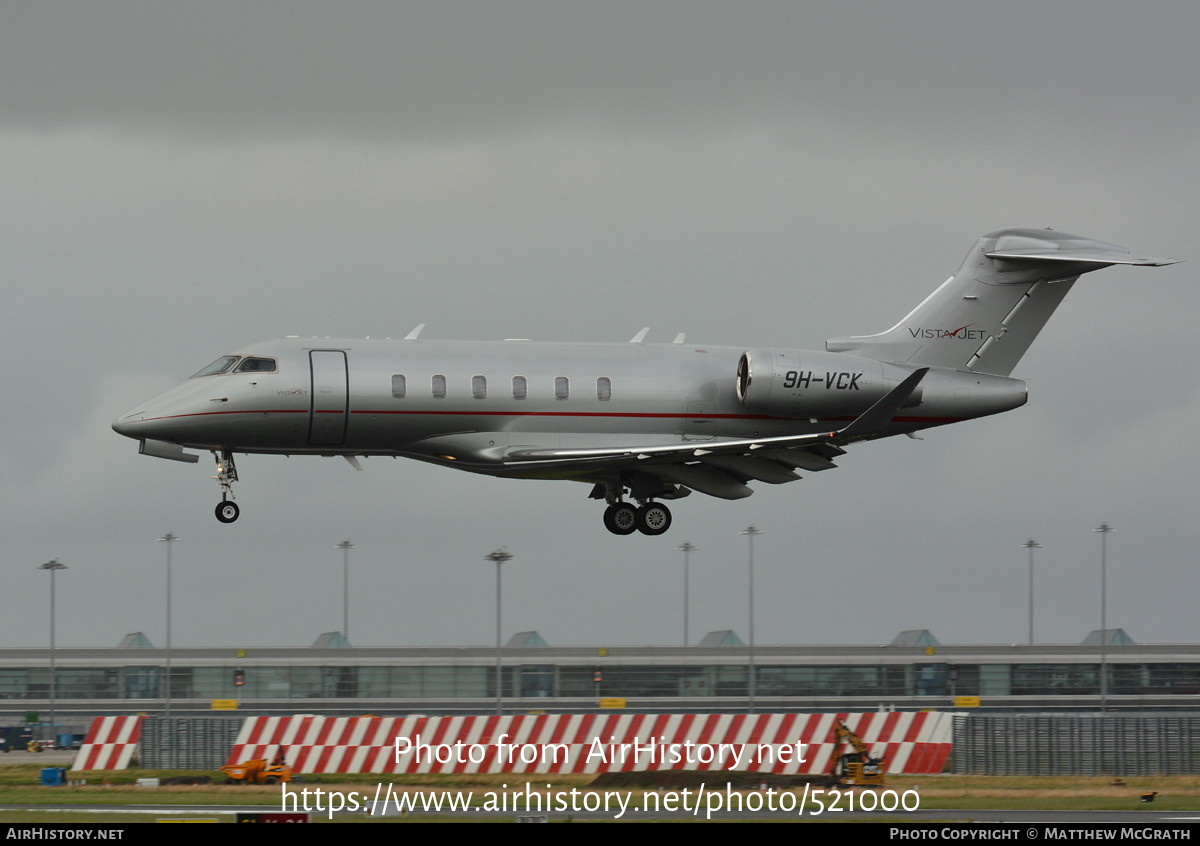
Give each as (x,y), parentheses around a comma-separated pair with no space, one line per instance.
(439,386)
(254,364)
(604,388)
(479,387)
(562,387)
(399,386)
(520,387)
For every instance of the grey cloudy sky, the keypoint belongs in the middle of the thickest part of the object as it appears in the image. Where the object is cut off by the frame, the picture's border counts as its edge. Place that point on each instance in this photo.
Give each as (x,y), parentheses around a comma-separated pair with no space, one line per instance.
(179,180)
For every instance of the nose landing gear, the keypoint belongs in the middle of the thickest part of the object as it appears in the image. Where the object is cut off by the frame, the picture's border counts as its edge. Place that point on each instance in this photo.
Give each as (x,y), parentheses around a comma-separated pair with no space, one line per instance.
(227,510)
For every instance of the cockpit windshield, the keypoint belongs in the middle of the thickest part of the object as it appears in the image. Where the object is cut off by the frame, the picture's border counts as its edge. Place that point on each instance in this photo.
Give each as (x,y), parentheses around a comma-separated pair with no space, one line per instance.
(221,365)
(254,364)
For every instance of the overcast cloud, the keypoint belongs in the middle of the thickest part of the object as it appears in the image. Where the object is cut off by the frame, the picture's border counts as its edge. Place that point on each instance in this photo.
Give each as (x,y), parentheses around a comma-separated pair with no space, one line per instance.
(180,180)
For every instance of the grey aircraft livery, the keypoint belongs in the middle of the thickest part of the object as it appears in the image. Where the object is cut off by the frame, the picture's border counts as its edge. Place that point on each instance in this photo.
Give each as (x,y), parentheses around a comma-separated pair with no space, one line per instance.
(641,423)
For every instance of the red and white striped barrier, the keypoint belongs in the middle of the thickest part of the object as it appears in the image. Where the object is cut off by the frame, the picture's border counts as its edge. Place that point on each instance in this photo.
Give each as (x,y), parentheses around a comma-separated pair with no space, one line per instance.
(592,743)
(110,743)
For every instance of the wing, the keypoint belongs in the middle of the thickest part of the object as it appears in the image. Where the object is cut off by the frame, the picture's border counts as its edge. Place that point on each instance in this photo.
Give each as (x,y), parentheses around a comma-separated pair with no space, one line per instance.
(722,467)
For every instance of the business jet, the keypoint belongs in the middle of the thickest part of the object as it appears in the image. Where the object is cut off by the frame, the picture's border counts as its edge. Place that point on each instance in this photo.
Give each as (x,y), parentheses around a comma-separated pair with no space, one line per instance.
(643,424)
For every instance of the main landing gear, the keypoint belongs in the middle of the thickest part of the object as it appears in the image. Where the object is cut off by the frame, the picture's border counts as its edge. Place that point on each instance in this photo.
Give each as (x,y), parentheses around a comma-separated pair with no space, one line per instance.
(227,510)
(649,516)
(652,518)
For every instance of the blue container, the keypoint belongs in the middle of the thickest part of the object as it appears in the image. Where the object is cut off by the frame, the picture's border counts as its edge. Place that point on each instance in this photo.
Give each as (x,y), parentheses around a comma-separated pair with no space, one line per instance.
(54,776)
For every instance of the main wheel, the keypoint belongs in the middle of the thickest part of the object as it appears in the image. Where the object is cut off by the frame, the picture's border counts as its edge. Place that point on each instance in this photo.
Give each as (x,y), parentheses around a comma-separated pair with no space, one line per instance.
(621,519)
(653,518)
(227,511)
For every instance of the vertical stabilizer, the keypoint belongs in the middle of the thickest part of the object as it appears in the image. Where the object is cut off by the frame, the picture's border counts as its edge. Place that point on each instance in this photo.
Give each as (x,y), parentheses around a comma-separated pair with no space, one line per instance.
(986,315)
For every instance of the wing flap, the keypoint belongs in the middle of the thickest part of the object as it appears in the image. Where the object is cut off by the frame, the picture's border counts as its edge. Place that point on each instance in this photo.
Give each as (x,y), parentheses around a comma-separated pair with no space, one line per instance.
(706,480)
(805,459)
(720,468)
(745,467)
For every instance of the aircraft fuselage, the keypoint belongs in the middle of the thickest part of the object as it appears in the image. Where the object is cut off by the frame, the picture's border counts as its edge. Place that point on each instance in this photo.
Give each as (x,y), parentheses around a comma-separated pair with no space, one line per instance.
(650,422)
(470,404)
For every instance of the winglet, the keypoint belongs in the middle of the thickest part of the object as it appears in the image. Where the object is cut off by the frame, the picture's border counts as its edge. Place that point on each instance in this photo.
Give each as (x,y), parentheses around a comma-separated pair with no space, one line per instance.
(415,333)
(640,336)
(882,412)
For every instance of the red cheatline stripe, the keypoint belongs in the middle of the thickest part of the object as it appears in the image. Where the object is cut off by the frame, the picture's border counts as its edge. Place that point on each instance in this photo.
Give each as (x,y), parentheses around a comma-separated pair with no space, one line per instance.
(670,414)
(599,414)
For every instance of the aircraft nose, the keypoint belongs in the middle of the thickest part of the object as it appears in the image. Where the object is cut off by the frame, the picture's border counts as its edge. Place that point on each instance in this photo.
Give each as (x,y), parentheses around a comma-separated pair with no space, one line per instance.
(126,424)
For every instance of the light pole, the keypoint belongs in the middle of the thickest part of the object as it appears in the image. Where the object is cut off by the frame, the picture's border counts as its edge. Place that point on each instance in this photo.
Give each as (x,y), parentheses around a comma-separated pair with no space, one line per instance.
(169,539)
(686,549)
(345,546)
(750,532)
(53,565)
(1105,530)
(1031,545)
(499,556)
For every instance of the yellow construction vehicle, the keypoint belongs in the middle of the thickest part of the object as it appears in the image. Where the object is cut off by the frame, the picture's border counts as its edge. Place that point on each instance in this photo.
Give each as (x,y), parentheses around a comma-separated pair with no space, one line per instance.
(257,772)
(857,768)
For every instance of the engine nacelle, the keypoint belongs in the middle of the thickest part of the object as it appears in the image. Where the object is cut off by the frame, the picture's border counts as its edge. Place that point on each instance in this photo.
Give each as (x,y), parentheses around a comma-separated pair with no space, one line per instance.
(816,385)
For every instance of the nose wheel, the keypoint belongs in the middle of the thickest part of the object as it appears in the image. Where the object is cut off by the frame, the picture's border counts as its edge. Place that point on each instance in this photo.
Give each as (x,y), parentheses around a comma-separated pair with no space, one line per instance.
(227,510)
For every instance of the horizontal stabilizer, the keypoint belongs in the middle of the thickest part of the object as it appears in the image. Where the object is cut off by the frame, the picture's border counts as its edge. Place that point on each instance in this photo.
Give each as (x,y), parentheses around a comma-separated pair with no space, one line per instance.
(1095,256)
(985,316)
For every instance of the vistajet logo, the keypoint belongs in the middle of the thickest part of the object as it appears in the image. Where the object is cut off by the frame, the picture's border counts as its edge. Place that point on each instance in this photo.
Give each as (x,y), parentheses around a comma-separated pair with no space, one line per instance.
(962,333)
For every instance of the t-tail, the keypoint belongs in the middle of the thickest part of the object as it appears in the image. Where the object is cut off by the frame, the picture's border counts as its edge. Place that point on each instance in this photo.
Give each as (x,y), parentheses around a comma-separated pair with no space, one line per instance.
(987,314)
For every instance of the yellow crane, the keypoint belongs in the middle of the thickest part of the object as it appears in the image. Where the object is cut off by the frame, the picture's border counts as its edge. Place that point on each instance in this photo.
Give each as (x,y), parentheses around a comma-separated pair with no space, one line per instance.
(854,769)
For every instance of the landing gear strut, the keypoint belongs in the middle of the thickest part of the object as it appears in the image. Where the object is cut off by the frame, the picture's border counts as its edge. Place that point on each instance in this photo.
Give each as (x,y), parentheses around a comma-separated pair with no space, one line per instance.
(227,510)
(649,516)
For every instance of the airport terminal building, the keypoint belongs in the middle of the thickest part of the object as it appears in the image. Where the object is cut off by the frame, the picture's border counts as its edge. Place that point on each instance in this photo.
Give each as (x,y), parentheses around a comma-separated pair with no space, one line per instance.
(331,677)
